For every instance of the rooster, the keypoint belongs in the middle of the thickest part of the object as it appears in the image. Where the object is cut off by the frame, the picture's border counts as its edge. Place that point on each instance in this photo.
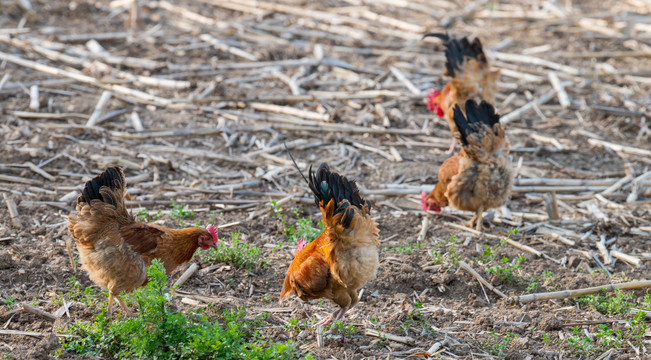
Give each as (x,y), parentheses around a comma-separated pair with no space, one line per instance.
(479,177)
(114,249)
(345,256)
(471,76)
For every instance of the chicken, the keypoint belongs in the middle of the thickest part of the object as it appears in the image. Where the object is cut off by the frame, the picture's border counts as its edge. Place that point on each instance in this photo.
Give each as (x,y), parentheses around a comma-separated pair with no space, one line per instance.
(345,256)
(114,249)
(471,77)
(479,177)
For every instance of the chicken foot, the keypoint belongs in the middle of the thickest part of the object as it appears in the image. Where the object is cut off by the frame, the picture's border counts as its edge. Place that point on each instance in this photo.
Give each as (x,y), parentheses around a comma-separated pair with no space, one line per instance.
(337,315)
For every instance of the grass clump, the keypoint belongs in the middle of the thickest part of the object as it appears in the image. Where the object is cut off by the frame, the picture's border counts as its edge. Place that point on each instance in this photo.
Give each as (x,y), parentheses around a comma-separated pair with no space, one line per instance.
(580,343)
(178,211)
(303,229)
(408,248)
(496,344)
(10,302)
(617,304)
(342,328)
(416,322)
(87,296)
(159,332)
(507,269)
(236,253)
(583,343)
(446,252)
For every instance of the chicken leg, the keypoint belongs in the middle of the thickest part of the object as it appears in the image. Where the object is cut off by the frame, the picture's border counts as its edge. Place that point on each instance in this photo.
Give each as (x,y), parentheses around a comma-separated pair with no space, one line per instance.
(453,145)
(478,218)
(479,224)
(124,306)
(109,310)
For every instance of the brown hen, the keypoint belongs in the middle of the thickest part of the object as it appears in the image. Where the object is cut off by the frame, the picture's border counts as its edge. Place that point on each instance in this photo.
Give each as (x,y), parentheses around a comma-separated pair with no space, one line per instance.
(114,249)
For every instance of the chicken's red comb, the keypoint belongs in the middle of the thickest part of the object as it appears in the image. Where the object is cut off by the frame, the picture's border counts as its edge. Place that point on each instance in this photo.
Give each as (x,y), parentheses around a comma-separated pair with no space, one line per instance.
(212,229)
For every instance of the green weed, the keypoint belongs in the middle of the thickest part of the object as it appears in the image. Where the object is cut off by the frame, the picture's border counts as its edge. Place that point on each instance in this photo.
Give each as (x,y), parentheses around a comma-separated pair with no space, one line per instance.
(437,256)
(608,338)
(304,228)
(409,247)
(238,254)
(507,269)
(620,303)
(179,212)
(546,278)
(159,332)
(488,254)
(646,301)
(532,287)
(142,215)
(637,328)
(446,252)
(496,343)
(416,321)
(87,296)
(10,302)
(580,343)
(453,255)
(342,328)
(294,327)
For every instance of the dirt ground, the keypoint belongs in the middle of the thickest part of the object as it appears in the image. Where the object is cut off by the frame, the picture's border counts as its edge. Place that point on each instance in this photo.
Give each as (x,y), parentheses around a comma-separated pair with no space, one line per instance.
(218,86)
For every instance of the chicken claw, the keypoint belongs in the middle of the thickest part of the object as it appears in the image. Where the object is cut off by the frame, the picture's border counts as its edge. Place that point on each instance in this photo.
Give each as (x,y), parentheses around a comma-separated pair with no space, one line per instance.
(337,315)
(327,320)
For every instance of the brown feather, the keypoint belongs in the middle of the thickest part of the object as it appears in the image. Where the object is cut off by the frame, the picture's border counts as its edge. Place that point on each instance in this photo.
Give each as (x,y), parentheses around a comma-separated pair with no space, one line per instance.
(338,262)
(475,82)
(142,238)
(479,177)
(448,169)
(114,249)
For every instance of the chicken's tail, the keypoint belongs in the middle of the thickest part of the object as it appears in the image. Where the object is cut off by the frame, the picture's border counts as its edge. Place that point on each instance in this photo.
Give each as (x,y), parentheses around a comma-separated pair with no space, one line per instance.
(343,209)
(457,51)
(109,187)
(481,133)
(100,204)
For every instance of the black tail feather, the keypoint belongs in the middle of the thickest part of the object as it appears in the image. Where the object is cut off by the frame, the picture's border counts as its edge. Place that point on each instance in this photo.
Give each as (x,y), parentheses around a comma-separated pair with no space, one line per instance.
(327,185)
(294,161)
(444,37)
(478,119)
(457,50)
(112,177)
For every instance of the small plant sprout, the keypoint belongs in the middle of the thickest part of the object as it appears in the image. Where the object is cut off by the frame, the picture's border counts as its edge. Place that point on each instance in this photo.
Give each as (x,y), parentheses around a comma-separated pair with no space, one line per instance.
(179,212)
